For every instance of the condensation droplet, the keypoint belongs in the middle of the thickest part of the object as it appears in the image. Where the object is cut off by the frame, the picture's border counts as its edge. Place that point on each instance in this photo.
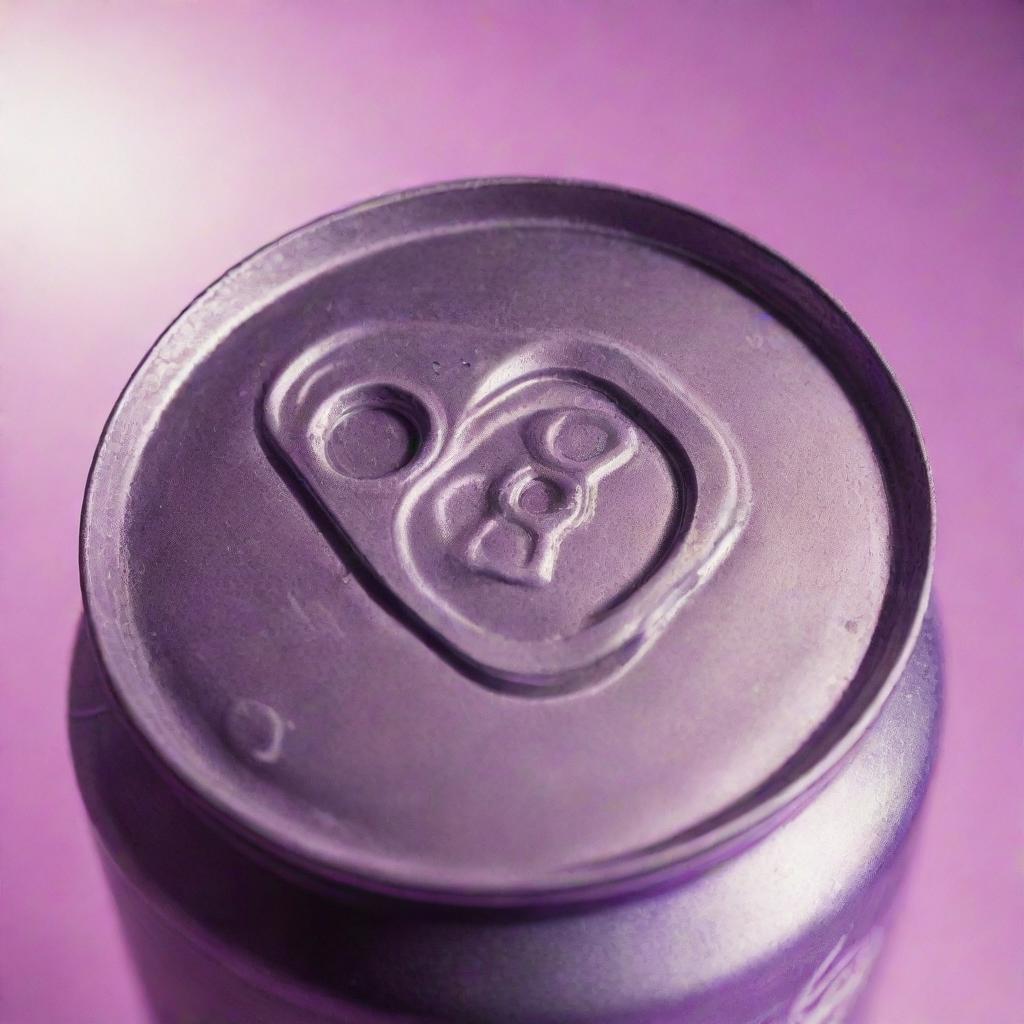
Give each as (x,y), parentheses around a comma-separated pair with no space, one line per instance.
(256,731)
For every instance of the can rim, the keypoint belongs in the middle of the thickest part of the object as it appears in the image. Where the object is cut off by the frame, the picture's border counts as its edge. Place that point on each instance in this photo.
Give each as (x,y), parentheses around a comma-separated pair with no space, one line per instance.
(666,863)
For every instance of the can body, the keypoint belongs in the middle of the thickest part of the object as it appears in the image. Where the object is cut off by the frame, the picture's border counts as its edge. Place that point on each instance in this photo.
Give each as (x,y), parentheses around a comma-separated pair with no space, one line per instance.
(785,932)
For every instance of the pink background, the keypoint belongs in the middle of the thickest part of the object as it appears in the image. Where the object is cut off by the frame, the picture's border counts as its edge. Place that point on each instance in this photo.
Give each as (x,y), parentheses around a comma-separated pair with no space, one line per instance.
(145,147)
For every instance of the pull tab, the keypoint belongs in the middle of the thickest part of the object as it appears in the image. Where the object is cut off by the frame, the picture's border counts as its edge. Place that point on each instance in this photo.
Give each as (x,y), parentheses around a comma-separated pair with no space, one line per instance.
(539,518)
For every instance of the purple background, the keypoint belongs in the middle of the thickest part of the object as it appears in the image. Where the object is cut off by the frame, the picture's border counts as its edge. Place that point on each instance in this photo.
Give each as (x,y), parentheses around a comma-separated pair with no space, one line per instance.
(146,147)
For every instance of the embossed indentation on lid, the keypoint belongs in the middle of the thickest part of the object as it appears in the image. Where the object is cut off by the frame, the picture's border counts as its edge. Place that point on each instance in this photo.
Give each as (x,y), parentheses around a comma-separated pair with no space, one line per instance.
(544,524)
(370,432)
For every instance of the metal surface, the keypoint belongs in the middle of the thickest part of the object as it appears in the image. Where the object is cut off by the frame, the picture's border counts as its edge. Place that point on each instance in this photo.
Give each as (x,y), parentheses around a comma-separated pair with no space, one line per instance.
(507,542)
(786,932)
(512,585)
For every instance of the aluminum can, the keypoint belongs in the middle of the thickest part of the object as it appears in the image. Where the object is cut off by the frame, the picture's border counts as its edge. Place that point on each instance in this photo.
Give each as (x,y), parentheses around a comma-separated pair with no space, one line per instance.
(507,601)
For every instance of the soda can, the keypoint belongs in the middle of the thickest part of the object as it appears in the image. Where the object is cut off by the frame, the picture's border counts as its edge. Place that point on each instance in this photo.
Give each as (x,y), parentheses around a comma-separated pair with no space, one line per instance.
(506,601)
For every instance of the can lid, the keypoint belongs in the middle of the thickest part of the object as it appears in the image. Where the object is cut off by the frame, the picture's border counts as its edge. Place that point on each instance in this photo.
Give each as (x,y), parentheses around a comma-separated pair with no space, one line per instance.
(505,541)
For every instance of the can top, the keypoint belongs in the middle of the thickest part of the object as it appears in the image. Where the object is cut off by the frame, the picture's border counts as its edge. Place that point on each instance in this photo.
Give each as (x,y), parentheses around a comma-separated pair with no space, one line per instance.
(506,541)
